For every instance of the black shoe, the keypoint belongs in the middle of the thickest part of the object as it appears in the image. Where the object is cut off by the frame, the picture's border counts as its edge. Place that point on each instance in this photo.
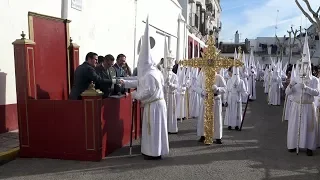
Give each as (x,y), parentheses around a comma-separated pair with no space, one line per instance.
(292,150)
(229,128)
(202,138)
(309,152)
(237,128)
(146,157)
(218,141)
(172,132)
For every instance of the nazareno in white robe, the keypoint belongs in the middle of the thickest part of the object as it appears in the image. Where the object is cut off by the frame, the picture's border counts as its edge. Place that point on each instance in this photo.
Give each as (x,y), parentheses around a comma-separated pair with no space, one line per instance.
(309,125)
(194,97)
(274,92)
(244,76)
(171,104)
(154,139)
(180,96)
(287,112)
(218,124)
(233,116)
(252,84)
(198,98)
(267,81)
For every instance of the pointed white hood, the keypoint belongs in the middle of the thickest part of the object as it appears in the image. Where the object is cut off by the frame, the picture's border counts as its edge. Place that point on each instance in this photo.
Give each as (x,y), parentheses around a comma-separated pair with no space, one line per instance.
(251,60)
(235,79)
(293,73)
(304,66)
(145,61)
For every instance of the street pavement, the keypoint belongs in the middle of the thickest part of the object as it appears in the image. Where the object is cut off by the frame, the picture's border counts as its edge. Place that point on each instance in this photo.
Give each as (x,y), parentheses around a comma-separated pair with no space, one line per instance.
(258,152)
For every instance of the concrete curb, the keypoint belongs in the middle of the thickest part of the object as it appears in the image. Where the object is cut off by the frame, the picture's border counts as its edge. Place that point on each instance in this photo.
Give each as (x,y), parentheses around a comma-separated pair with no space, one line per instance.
(8,155)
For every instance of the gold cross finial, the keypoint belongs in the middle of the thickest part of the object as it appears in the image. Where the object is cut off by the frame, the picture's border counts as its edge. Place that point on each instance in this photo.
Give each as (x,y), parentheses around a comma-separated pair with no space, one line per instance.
(211,62)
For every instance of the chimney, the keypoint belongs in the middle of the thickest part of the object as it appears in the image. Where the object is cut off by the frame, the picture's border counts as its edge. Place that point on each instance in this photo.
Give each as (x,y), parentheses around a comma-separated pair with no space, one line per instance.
(236,38)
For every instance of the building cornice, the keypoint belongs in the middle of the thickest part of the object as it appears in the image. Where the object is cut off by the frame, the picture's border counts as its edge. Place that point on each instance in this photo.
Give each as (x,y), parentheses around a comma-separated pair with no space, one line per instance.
(218,4)
(177,4)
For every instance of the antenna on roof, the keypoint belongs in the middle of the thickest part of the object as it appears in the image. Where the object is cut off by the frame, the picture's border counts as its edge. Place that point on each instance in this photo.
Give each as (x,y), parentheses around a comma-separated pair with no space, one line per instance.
(276,27)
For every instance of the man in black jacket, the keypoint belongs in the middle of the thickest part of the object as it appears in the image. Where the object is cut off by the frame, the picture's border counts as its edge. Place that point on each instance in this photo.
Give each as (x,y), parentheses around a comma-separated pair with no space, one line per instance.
(85,74)
(106,71)
(120,72)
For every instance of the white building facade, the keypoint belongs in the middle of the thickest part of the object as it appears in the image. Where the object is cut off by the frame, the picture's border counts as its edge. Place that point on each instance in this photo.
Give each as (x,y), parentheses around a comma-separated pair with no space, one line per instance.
(202,18)
(101,26)
(266,47)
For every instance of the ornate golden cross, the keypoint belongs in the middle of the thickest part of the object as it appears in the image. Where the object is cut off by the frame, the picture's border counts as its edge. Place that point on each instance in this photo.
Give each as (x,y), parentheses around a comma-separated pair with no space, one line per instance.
(210,63)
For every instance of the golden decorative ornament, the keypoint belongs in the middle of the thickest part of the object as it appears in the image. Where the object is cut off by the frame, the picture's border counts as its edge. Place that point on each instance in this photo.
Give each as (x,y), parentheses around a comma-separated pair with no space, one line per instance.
(210,63)
(91,91)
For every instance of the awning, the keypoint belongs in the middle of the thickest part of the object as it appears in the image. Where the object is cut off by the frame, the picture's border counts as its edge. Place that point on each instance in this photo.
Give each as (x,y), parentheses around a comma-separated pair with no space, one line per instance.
(202,44)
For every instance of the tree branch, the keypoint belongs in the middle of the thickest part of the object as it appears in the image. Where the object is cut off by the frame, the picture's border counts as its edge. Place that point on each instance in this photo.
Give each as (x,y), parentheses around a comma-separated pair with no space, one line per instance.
(309,7)
(304,12)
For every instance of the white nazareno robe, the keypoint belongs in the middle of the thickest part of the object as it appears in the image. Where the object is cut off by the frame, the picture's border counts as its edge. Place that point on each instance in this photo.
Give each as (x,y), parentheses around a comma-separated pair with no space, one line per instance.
(233,116)
(252,84)
(274,92)
(154,139)
(218,124)
(308,122)
(171,103)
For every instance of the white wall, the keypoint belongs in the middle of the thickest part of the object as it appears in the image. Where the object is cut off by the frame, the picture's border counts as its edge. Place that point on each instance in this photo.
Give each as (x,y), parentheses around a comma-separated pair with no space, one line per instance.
(163,15)
(14,20)
(103,26)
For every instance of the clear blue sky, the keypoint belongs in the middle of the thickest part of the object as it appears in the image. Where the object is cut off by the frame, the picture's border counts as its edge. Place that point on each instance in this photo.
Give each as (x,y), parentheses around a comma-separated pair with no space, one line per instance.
(257,18)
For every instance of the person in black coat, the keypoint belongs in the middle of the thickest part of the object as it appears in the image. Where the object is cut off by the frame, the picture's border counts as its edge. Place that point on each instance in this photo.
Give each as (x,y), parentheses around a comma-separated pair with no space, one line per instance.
(85,74)
(106,71)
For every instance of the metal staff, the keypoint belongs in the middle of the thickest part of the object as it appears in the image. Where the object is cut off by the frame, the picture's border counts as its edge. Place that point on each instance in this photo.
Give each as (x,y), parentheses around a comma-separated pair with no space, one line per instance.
(300,117)
(132,121)
(245,109)
(269,85)
(252,85)
(244,113)
(284,107)
(285,104)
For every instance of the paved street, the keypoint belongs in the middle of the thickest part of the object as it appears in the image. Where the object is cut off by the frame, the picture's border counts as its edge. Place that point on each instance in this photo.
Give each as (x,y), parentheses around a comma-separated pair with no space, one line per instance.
(257,153)
(9,141)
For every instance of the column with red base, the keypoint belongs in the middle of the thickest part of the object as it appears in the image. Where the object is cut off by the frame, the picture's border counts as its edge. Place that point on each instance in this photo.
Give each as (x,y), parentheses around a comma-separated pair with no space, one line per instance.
(24,54)
(92,104)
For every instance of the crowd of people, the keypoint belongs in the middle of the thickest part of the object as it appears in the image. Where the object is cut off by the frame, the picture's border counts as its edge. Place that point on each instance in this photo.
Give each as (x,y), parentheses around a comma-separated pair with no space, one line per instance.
(170,93)
(104,71)
(300,86)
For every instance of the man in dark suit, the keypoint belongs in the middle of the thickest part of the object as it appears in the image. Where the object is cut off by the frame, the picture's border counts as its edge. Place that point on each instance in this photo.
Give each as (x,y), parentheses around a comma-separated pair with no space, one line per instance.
(120,72)
(85,74)
(105,70)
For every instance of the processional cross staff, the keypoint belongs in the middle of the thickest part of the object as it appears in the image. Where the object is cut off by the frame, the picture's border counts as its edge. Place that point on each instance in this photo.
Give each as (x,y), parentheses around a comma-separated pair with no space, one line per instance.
(210,63)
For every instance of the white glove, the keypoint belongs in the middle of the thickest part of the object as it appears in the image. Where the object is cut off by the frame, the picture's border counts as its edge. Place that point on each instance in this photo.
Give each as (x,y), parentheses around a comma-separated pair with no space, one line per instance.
(134,95)
(214,87)
(203,93)
(183,89)
(292,83)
